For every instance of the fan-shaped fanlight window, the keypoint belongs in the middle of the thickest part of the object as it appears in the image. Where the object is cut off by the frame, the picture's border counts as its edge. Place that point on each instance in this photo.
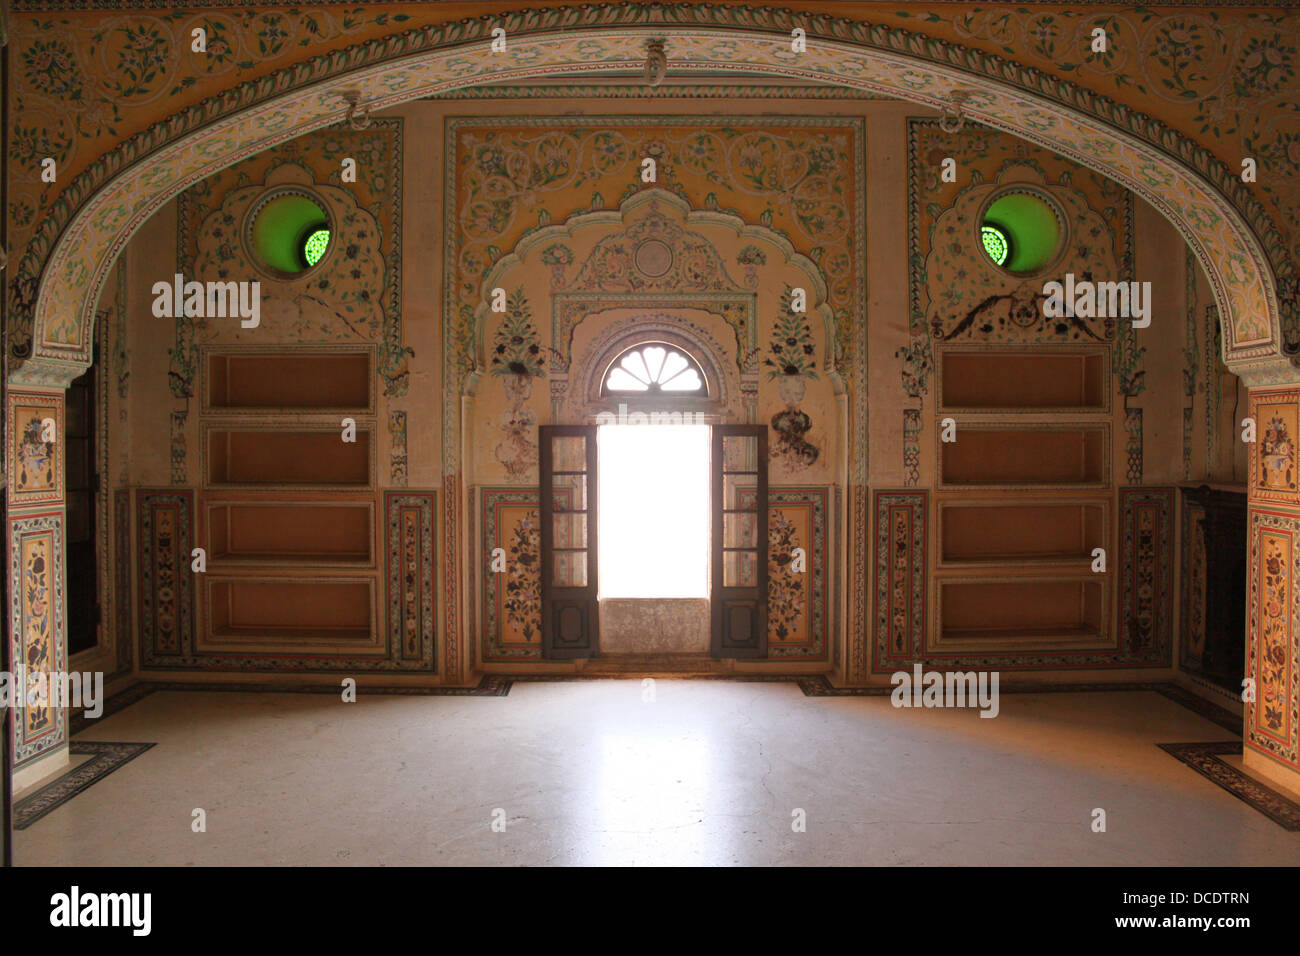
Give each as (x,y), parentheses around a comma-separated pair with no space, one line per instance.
(654,368)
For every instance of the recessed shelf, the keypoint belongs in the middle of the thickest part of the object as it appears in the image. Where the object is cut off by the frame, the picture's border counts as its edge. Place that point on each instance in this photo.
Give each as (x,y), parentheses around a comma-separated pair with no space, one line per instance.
(271,457)
(1021,610)
(1046,456)
(988,533)
(1023,381)
(306,381)
(290,610)
(290,532)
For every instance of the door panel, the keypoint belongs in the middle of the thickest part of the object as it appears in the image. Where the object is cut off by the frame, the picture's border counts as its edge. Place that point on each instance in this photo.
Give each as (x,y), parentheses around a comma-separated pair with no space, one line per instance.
(82,570)
(570,613)
(739,541)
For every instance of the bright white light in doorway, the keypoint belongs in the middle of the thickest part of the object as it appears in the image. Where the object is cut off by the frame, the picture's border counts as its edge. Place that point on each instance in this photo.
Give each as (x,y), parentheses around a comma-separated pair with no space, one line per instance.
(654,511)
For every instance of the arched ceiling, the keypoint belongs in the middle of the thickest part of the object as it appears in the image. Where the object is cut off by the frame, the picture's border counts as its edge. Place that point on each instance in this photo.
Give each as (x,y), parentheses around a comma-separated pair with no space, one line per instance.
(1185,171)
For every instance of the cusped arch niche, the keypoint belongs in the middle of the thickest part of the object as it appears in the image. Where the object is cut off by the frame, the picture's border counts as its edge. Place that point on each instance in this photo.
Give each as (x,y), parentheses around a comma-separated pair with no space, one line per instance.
(603,280)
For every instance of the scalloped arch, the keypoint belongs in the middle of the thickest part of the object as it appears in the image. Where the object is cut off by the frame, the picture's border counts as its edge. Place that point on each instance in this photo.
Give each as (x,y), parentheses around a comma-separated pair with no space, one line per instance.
(1232,237)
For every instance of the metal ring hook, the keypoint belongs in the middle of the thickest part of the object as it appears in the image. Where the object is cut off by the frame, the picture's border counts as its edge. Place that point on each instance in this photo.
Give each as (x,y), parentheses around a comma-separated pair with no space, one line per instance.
(953,120)
(358,116)
(656,62)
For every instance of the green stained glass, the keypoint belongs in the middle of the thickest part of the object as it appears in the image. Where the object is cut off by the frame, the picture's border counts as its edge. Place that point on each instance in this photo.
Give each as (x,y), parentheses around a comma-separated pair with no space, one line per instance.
(315,245)
(995,244)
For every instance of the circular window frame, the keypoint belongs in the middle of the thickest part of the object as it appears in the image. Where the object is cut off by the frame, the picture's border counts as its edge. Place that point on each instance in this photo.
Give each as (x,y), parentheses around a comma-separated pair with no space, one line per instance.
(250,222)
(1054,207)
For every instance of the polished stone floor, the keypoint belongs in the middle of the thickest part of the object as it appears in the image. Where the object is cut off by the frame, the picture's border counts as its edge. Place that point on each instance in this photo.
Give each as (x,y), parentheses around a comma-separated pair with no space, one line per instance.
(708,772)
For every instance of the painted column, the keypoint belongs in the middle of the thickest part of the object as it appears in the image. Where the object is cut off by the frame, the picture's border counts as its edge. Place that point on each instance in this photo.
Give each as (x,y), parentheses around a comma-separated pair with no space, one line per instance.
(1272,731)
(36,554)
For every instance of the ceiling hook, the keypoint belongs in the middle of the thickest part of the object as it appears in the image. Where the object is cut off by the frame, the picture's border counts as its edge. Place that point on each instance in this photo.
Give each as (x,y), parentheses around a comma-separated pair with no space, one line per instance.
(656,62)
(358,116)
(953,119)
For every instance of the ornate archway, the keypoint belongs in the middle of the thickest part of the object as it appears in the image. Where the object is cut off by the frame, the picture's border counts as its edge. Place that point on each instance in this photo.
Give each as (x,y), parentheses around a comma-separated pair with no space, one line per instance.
(1224,226)
(71,257)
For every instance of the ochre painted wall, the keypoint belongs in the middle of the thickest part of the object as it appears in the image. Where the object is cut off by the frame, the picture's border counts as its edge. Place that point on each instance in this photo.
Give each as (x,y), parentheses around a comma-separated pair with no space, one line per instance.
(848,190)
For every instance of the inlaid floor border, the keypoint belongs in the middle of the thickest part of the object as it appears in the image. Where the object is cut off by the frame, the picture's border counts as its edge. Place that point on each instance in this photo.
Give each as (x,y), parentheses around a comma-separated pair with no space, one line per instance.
(489,686)
(1205,759)
(819,686)
(105,757)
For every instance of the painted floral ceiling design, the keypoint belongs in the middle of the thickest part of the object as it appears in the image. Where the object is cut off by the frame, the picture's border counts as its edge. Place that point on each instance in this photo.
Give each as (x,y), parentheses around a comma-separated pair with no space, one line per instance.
(83,81)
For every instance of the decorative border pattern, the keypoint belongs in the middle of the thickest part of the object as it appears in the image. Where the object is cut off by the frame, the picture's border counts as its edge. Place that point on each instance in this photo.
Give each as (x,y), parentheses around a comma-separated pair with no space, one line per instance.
(1205,760)
(1146,573)
(1193,574)
(410,519)
(177,454)
(37,635)
(859,565)
(901,577)
(44,6)
(1133,427)
(397,447)
(911,447)
(1191,359)
(123,636)
(165,522)
(1274,608)
(105,758)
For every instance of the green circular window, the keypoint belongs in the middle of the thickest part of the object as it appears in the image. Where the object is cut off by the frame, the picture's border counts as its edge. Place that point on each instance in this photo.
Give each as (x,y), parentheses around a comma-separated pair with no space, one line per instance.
(996,244)
(289,233)
(1021,232)
(314,246)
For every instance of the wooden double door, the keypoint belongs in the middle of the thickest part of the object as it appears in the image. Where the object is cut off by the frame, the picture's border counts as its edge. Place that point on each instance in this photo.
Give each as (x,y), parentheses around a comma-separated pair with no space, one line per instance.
(738,564)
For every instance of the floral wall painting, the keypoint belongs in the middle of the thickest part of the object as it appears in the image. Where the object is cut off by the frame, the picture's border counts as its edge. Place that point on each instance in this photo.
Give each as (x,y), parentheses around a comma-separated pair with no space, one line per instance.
(1274,657)
(973,299)
(1277,454)
(1274,470)
(751,257)
(956,293)
(410,547)
(791,363)
(1272,724)
(559,257)
(523,598)
(512,599)
(511,177)
(517,355)
(352,295)
(36,551)
(34,464)
(35,424)
(796,583)
(785,605)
